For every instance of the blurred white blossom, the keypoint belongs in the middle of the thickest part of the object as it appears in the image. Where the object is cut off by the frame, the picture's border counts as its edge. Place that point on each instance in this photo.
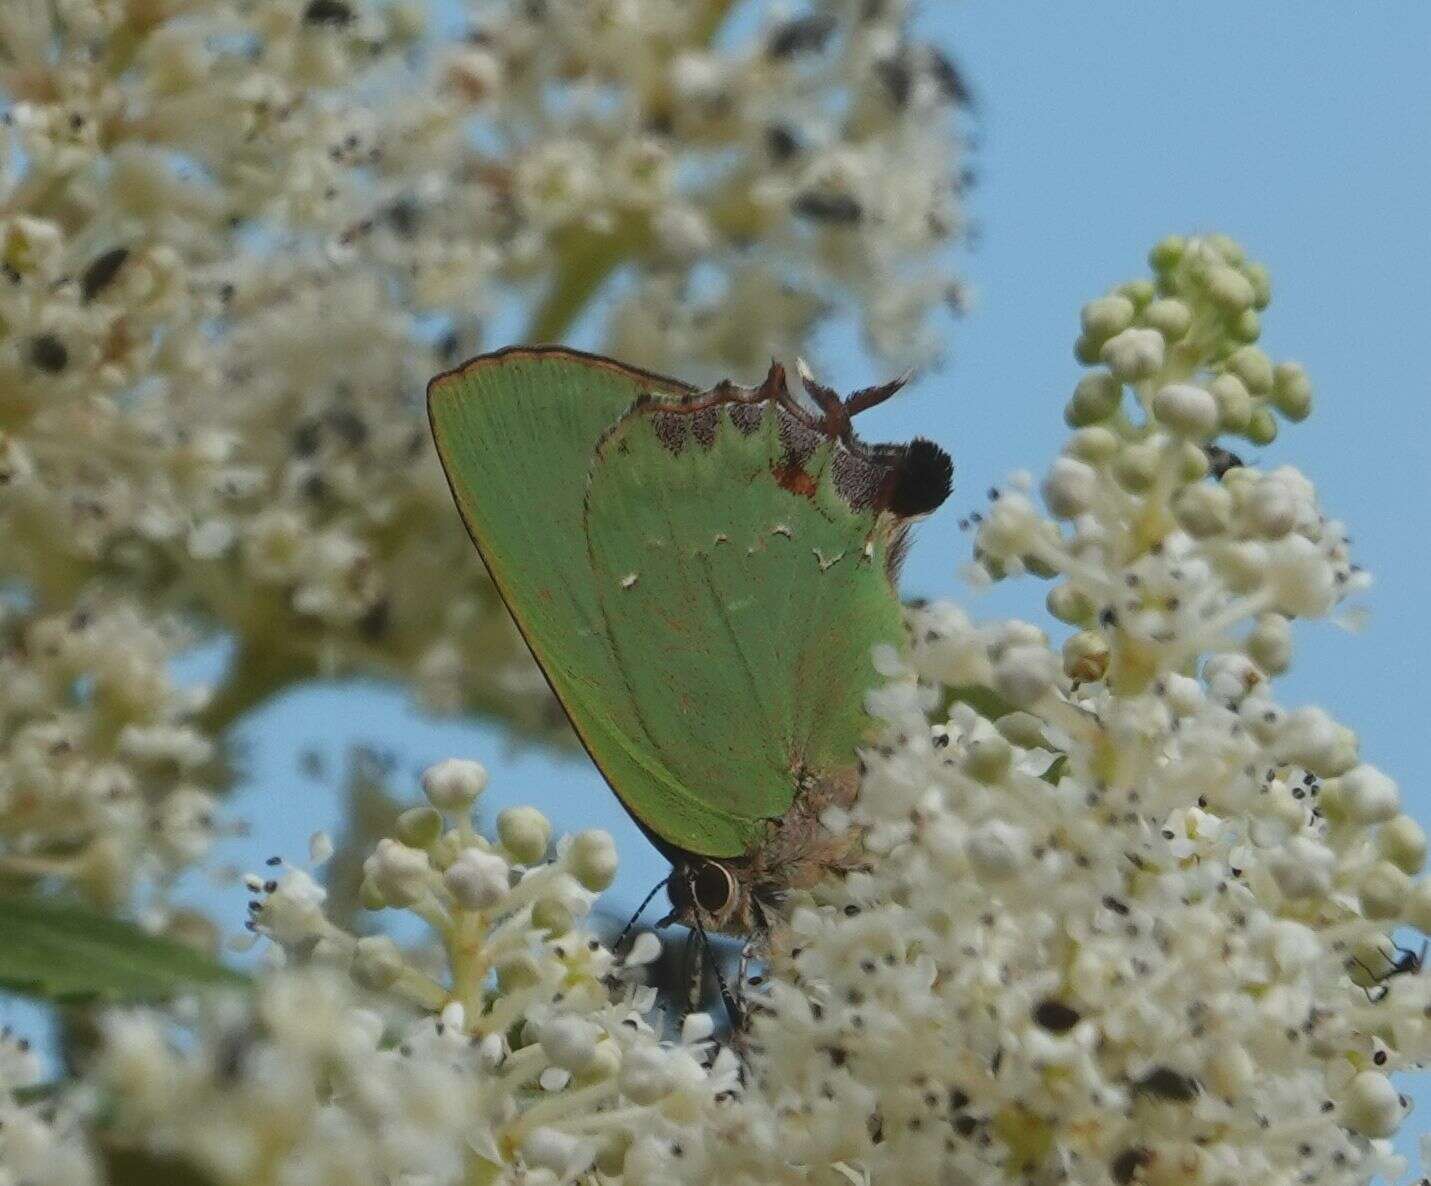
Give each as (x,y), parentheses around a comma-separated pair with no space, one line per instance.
(236,239)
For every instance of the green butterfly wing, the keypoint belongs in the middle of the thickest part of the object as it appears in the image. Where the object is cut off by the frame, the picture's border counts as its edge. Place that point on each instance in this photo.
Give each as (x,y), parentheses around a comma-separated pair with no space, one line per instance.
(742,597)
(704,611)
(515,433)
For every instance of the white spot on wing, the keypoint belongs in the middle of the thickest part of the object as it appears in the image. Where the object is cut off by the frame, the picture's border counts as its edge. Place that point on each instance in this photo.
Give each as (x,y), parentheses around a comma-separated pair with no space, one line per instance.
(781,529)
(826,565)
(629,580)
(722,538)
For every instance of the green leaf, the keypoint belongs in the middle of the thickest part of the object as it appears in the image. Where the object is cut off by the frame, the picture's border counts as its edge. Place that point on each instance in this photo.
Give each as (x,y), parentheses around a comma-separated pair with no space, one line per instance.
(61,951)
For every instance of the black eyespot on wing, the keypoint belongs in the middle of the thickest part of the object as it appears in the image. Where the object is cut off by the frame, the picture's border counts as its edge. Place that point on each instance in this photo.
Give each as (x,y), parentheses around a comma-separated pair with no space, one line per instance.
(924,480)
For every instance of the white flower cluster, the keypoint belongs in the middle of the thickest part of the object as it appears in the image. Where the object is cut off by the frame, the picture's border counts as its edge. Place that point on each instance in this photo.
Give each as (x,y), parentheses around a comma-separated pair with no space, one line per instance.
(237,238)
(105,782)
(1133,918)
(1125,917)
(532,1059)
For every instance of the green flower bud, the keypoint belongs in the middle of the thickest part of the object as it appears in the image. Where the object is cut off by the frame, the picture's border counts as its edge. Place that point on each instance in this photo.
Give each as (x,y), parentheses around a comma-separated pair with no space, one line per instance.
(1193,464)
(1245,327)
(378,962)
(521,971)
(1292,391)
(525,833)
(1136,467)
(370,896)
(1253,367)
(1227,247)
(1140,292)
(1085,350)
(1186,409)
(1262,428)
(1171,318)
(1085,656)
(1229,289)
(1093,445)
(592,859)
(1203,510)
(988,759)
(1234,402)
(1106,316)
(1167,254)
(551,917)
(1070,605)
(1096,397)
(1261,280)
(419,827)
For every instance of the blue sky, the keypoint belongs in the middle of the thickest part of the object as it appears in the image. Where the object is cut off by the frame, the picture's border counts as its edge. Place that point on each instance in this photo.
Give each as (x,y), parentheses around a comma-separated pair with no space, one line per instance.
(1300,127)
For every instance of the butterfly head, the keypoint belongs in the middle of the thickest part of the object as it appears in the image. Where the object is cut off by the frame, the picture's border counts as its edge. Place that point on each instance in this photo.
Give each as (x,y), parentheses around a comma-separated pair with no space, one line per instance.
(712,895)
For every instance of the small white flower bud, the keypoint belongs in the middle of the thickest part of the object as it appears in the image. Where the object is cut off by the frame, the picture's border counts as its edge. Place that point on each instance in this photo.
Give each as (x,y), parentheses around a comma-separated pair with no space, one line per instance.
(1229,288)
(492,1051)
(1133,354)
(1402,841)
(525,833)
(1234,402)
(997,850)
(645,950)
(1270,644)
(1024,674)
(1136,466)
(570,1042)
(452,786)
(646,1075)
(1292,391)
(1372,1106)
(552,916)
(1105,316)
(1085,656)
(1254,368)
(1203,510)
(1383,891)
(1271,507)
(696,1027)
(988,759)
(401,875)
(1171,318)
(377,962)
(592,859)
(1418,905)
(1313,740)
(1231,1071)
(419,827)
(1096,397)
(1186,409)
(559,1153)
(1093,445)
(477,880)
(1303,868)
(1069,489)
(1363,795)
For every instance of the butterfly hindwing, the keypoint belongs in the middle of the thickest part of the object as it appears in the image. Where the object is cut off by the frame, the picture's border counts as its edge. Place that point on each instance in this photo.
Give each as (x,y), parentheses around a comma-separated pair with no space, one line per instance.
(743,595)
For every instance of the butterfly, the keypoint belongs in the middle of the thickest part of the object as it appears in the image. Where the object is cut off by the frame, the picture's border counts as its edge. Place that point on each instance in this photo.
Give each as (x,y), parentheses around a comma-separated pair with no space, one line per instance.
(702,576)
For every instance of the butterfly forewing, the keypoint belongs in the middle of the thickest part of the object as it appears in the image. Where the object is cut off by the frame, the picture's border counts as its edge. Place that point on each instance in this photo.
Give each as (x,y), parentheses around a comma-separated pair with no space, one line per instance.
(515,432)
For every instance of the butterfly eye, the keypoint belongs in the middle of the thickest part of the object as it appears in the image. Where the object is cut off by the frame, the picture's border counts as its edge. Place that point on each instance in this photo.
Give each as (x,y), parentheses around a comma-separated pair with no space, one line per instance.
(712,886)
